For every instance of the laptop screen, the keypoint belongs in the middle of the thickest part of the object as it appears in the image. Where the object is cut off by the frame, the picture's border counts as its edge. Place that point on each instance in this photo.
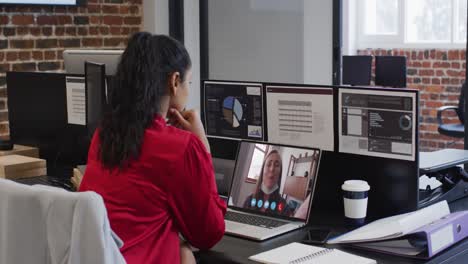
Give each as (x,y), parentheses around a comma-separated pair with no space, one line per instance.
(274,180)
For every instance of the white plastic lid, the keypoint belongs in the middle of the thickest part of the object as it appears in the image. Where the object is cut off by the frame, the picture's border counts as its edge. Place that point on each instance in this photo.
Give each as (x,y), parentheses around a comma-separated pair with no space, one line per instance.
(355,186)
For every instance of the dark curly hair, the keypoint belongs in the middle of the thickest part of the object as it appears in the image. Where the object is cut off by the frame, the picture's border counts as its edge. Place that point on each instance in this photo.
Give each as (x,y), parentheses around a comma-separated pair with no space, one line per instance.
(134,97)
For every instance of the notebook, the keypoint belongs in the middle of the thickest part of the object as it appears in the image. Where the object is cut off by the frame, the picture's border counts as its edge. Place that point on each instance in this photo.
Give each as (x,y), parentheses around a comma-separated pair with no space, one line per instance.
(297,253)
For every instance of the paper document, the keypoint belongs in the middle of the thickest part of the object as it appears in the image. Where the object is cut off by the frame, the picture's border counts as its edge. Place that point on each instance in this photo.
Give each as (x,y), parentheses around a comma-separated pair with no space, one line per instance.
(76,100)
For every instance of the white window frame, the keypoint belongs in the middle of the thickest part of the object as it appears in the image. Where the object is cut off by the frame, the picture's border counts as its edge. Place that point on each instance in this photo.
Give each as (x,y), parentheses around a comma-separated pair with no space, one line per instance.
(399,40)
(455,27)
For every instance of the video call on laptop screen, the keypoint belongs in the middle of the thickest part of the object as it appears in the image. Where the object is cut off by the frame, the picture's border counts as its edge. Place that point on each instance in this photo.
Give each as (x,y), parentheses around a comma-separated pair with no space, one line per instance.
(274,180)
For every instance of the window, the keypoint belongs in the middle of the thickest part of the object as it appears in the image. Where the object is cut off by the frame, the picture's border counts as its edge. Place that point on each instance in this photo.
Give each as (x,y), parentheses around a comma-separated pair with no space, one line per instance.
(382,18)
(460,21)
(411,23)
(257,161)
(424,23)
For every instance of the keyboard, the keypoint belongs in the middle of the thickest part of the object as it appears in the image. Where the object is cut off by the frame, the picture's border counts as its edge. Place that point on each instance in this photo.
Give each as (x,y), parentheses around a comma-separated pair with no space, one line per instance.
(63,182)
(253,220)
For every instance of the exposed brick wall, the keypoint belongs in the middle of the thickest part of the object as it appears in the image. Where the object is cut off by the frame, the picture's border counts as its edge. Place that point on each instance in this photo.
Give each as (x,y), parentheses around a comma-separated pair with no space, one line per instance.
(438,75)
(32,38)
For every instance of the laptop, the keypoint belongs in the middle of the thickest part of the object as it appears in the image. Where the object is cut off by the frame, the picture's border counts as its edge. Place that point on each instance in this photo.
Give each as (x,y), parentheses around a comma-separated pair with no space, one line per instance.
(272,189)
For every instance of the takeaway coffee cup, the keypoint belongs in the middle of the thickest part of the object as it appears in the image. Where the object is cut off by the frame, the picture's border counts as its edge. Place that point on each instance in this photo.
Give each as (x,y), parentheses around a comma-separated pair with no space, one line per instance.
(355,195)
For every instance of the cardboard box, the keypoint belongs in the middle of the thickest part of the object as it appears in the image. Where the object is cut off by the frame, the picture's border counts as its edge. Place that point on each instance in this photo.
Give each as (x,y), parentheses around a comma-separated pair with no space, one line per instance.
(26,173)
(17,166)
(21,150)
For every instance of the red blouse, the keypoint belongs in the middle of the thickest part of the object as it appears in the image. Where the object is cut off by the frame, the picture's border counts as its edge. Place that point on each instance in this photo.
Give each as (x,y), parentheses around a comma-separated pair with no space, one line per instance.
(169,189)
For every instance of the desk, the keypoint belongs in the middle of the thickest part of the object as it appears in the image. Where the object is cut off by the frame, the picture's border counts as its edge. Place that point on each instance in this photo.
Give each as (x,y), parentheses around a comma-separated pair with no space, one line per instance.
(441,159)
(236,250)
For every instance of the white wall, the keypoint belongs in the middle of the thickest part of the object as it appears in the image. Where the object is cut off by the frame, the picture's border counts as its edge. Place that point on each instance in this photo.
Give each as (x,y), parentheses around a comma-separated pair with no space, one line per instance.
(257,40)
(192,43)
(156,16)
(318,41)
(349,26)
(251,40)
(156,20)
(262,40)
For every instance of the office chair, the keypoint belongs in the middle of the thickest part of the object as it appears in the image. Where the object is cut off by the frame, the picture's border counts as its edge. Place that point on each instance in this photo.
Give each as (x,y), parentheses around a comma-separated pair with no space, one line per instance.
(453,130)
(390,71)
(357,70)
(43,224)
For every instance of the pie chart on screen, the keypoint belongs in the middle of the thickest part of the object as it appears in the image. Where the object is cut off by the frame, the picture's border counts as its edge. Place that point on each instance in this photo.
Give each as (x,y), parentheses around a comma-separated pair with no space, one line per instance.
(232,111)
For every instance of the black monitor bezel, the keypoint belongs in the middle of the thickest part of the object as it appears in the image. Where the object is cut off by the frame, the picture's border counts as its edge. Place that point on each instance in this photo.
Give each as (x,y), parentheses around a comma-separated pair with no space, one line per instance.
(203,107)
(373,88)
(102,67)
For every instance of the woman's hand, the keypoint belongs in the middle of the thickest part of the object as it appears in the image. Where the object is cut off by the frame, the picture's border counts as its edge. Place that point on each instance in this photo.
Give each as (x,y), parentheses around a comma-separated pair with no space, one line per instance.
(189,120)
(186,254)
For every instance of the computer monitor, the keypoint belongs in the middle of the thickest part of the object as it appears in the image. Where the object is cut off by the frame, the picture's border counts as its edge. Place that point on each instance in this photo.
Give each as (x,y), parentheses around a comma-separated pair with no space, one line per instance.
(300,115)
(74,59)
(233,110)
(95,93)
(36,106)
(390,71)
(378,122)
(357,70)
(37,112)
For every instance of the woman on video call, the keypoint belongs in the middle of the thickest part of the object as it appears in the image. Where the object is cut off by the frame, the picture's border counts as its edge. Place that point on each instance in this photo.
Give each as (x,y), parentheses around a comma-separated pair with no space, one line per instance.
(267,197)
(157,180)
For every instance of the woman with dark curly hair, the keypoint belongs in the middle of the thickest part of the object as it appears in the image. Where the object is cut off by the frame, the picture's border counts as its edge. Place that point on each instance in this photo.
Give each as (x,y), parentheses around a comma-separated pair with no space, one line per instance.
(157,180)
